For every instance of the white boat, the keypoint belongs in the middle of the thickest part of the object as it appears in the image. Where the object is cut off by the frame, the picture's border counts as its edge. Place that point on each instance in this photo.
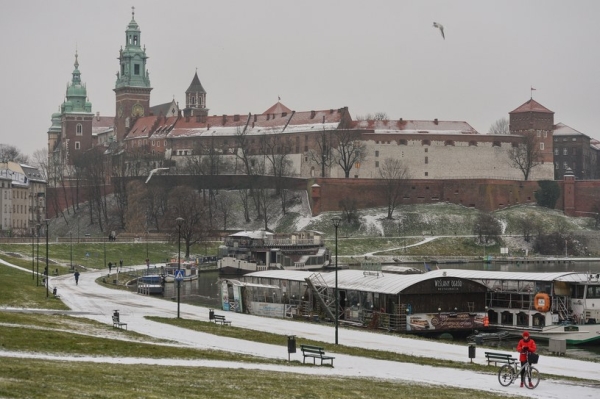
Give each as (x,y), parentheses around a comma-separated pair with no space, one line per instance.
(557,306)
(251,251)
(190,271)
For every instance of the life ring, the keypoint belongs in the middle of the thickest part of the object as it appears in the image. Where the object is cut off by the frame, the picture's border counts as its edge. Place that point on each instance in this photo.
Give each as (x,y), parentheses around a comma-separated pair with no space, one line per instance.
(541,302)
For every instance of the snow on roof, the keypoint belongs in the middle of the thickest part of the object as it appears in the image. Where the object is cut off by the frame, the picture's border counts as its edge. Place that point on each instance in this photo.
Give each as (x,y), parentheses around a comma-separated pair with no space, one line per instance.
(560,129)
(494,275)
(256,234)
(417,126)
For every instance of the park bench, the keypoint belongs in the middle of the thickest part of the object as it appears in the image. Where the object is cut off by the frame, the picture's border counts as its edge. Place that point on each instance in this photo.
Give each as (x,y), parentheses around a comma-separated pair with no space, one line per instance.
(316,352)
(117,323)
(499,358)
(221,319)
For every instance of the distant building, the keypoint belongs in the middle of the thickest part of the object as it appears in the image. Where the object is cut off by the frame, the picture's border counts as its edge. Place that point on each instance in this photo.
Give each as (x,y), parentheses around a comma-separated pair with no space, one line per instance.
(22,199)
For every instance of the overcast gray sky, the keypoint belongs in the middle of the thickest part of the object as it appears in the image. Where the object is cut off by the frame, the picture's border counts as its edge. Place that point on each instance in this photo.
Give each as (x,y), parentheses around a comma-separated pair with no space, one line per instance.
(372,56)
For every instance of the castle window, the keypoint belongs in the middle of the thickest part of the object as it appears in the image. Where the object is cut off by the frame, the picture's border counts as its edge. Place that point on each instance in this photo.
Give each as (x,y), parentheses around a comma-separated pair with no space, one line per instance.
(402,142)
(426,159)
(135,42)
(165,143)
(425,142)
(574,151)
(376,164)
(152,143)
(545,134)
(77,145)
(136,69)
(565,166)
(539,134)
(426,173)
(556,151)
(376,153)
(79,129)
(541,146)
(565,151)
(556,165)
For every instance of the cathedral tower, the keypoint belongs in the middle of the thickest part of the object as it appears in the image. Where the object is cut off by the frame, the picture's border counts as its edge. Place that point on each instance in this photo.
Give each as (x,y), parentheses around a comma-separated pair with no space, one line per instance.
(132,88)
(195,99)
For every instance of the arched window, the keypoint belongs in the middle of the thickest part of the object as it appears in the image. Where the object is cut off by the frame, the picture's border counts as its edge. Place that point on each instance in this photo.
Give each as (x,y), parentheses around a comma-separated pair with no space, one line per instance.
(79,129)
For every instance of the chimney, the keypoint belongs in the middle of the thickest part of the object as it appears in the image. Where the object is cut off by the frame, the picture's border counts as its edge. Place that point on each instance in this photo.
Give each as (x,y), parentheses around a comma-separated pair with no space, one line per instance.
(187,118)
(268,116)
(224,119)
(255,117)
(283,114)
(401,120)
(208,126)
(236,117)
(312,114)
(323,118)
(435,121)
(97,115)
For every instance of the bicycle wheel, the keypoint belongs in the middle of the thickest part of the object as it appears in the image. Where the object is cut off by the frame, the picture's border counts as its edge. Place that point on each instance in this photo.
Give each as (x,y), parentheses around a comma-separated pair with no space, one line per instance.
(506,375)
(533,378)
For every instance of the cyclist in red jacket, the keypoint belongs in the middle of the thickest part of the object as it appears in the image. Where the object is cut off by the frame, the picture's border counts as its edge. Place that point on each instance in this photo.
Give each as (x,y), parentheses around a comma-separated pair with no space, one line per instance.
(525,346)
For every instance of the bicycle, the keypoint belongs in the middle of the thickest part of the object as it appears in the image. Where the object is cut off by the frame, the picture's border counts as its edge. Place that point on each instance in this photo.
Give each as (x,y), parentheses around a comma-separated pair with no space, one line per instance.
(509,373)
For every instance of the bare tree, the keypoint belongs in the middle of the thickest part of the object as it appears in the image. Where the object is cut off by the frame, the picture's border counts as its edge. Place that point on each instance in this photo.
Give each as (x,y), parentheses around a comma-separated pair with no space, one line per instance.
(526,155)
(187,204)
(10,153)
(487,228)
(395,175)
(321,154)
(224,203)
(40,161)
(350,150)
(501,126)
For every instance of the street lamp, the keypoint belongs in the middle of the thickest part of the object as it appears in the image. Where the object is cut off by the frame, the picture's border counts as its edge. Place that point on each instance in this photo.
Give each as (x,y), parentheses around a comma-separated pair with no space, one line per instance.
(147,234)
(47,267)
(71,241)
(32,254)
(179,222)
(37,279)
(336,223)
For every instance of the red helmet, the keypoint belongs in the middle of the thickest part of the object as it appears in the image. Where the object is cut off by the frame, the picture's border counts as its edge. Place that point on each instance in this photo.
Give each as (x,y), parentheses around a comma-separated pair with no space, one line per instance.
(526,334)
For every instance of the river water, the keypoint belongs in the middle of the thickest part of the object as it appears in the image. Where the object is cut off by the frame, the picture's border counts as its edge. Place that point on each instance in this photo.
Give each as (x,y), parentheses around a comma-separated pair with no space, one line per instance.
(205,292)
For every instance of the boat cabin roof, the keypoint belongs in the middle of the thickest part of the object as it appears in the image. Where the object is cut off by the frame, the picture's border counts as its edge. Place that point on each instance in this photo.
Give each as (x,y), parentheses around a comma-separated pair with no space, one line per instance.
(386,283)
(568,277)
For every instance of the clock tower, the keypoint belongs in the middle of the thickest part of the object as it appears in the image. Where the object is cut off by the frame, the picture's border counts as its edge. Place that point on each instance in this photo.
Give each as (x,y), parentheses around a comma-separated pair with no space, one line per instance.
(132,88)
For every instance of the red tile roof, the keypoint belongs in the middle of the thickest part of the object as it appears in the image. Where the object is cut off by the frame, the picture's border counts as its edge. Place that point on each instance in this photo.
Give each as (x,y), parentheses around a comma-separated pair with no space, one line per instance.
(531,106)
(278,108)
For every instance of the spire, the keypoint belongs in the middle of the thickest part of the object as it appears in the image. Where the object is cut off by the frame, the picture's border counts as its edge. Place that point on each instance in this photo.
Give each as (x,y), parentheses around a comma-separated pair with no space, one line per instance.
(132,58)
(76,74)
(76,97)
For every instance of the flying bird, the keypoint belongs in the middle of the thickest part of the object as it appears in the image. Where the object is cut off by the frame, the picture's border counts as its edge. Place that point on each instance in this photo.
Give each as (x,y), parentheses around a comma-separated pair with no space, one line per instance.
(440,27)
(153,171)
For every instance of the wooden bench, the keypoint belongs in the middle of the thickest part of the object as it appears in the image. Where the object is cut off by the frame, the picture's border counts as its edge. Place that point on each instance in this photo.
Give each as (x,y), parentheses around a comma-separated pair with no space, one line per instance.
(118,323)
(221,319)
(499,358)
(316,352)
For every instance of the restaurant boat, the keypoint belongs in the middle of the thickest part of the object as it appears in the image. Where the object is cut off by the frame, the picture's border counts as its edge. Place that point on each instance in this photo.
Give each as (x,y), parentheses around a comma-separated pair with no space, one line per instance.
(551,306)
(251,251)
(410,302)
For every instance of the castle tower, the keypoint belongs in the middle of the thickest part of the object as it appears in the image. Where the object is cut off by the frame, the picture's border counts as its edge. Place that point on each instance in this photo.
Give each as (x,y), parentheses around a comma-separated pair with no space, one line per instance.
(195,99)
(132,88)
(534,118)
(71,130)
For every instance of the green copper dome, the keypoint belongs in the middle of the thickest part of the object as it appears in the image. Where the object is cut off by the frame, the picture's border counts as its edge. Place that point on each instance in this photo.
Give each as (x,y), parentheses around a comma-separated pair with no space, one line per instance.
(132,59)
(76,97)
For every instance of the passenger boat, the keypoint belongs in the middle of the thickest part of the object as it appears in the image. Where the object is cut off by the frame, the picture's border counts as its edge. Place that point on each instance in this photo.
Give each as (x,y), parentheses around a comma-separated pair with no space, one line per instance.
(190,271)
(251,251)
(557,306)
(150,284)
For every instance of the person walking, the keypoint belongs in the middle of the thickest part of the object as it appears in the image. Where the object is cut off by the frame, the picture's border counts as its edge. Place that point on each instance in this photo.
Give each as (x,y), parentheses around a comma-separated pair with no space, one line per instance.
(109,267)
(525,347)
(76,277)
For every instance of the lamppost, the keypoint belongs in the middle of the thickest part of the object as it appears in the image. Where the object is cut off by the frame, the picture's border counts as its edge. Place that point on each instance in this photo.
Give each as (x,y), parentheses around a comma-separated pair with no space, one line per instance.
(71,241)
(47,267)
(32,254)
(147,234)
(179,222)
(336,223)
(37,279)
(104,242)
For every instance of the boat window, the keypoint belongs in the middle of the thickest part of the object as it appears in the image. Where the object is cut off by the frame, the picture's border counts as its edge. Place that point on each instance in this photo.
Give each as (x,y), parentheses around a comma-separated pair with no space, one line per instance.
(593,291)
(577,291)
